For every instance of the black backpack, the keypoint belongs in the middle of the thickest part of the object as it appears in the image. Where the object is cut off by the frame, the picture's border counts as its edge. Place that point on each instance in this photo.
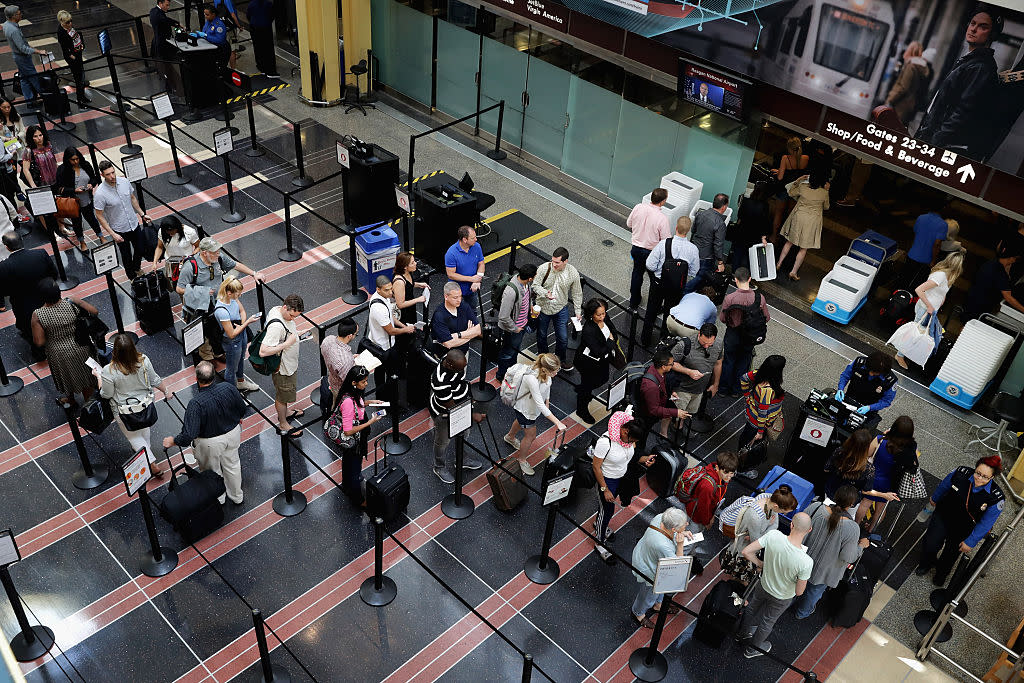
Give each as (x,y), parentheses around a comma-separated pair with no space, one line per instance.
(674,271)
(498,289)
(899,308)
(754,326)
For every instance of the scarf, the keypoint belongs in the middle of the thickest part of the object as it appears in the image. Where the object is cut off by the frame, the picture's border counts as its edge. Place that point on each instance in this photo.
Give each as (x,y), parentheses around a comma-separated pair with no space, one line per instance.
(615,423)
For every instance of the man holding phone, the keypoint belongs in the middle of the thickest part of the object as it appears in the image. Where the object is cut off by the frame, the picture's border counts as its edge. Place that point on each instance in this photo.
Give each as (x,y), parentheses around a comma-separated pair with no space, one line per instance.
(282,339)
(695,370)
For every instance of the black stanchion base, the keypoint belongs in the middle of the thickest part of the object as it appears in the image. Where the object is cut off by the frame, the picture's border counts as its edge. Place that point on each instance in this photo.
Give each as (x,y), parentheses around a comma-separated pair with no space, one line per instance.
(378,598)
(130,149)
(482,391)
(279,675)
(397,444)
(183,180)
(81,480)
(70,283)
(25,651)
(254,152)
(543,576)
(655,671)
(355,298)
(286,509)
(134,337)
(150,567)
(289,256)
(302,181)
(453,508)
(925,619)
(13,386)
(701,424)
(940,596)
(498,155)
(23,229)
(64,126)
(236,217)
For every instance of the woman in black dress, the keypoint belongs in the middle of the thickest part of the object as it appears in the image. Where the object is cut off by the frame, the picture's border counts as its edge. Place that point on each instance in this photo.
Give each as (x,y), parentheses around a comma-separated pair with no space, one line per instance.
(754,225)
(598,346)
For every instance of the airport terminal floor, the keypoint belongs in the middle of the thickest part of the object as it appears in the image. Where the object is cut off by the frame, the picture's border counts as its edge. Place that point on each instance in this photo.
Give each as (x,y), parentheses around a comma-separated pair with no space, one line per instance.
(465,610)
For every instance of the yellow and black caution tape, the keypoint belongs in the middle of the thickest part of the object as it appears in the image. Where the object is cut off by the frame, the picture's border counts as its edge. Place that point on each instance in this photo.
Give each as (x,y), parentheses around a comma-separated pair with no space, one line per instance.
(422,177)
(257,93)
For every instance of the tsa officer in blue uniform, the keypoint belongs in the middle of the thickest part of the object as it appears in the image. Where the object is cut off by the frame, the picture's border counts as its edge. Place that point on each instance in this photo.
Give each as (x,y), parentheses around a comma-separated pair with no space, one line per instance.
(964,507)
(870,383)
(216,33)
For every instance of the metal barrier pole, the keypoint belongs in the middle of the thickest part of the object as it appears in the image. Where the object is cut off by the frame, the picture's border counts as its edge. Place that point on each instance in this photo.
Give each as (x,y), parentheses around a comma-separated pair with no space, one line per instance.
(356,296)
(178,178)
(496,153)
(32,642)
(634,317)
(512,250)
(378,590)
(395,443)
(159,561)
(254,150)
(646,663)
(457,505)
(146,68)
(271,673)
(527,668)
(64,282)
(116,305)
(702,423)
(541,569)
(90,476)
(232,216)
(129,147)
(261,303)
(301,180)
(288,253)
(289,502)
(65,107)
(9,386)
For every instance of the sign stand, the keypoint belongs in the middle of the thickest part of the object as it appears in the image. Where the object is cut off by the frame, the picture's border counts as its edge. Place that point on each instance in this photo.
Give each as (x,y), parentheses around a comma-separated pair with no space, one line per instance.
(254,149)
(178,178)
(271,673)
(42,203)
(460,419)
(32,642)
(542,569)
(354,296)
(481,389)
(90,476)
(222,144)
(672,576)
(378,590)
(289,502)
(289,253)
(395,443)
(159,561)
(105,46)
(9,386)
(104,259)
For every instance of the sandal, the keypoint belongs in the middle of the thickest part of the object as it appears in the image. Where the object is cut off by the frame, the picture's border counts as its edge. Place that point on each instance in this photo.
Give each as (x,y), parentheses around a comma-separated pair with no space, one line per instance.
(296,413)
(646,622)
(794,278)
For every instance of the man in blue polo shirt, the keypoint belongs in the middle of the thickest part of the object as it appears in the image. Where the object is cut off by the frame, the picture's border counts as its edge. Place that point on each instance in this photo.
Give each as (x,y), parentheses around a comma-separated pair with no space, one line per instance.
(692,311)
(929,231)
(454,322)
(464,263)
(216,33)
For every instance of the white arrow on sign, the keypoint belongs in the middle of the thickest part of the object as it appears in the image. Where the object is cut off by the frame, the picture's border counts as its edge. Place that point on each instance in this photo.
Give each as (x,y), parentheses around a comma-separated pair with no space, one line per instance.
(966,173)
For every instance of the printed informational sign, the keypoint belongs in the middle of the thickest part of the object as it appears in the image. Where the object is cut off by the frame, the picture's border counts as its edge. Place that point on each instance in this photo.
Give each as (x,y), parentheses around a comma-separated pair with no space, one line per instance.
(558,489)
(136,472)
(104,257)
(343,157)
(460,418)
(817,432)
(9,553)
(402,198)
(134,168)
(192,335)
(222,142)
(672,575)
(41,200)
(162,106)
(617,392)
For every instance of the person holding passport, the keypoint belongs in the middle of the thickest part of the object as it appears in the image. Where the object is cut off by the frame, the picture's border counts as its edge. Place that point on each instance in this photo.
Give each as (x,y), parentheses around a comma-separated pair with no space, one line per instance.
(696,367)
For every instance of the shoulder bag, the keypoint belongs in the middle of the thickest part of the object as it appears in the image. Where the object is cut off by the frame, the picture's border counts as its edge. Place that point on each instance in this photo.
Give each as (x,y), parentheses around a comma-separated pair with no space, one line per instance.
(731,557)
(334,430)
(912,486)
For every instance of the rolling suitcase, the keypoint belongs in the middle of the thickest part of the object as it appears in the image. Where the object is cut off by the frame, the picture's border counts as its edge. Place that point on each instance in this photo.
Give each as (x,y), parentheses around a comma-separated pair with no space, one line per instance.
(152,303)
(669,463)
(506,481)
(720,613)
(802,489)
(387,490)
(193,508)
(851,597)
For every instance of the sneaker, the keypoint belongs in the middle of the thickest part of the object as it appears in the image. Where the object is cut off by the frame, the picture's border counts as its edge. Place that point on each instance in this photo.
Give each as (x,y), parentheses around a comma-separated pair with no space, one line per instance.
(921,570)
(608,558)
(21,196)
(749,474)
(247,385)
(740,637)
(527,469)
(750,652)
(512,441)
(471,464)
(445,475)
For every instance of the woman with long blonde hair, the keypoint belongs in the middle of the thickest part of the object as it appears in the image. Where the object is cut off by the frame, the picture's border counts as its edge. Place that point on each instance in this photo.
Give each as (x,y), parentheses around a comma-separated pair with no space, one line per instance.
(230,315)
(533,395)
(792,166)
(932,292)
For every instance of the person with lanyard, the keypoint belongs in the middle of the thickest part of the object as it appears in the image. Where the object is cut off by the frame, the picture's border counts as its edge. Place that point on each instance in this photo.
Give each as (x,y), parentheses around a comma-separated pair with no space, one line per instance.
(869,383)
(514,317)
(963,509)
(216,33)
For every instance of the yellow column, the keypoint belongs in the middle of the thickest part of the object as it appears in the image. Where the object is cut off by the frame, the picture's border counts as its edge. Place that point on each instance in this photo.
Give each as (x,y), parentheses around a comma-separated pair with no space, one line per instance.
(318,32)
(355,29)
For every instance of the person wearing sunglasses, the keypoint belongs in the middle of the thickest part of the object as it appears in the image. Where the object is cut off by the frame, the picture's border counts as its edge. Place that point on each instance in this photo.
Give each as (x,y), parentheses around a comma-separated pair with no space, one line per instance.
(965,505)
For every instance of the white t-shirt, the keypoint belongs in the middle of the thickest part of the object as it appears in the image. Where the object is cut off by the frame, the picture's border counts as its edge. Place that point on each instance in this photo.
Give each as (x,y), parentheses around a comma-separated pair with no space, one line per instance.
(181,246)
(937,294)
(277,334)
(616,458)
(379,316)
(533,397)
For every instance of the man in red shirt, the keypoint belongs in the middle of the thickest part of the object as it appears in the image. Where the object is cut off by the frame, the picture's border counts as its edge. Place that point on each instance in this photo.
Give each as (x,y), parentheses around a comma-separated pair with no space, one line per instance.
(654,397)
(648,225)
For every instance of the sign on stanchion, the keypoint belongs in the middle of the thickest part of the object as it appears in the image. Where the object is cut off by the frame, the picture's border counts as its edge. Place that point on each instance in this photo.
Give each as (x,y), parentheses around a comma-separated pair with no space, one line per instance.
(617,392)
(192,336)
(42,203)
(222,145)
(460,418)
(104,260)
(672,576)
(542,569)
(162,106)
(165,111)
(378,590)
(32,642)
(134,167)
(137,471)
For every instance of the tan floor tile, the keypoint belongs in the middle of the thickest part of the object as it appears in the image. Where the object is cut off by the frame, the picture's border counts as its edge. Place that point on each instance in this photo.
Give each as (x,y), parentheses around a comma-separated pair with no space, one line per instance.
(879,600)
(878,656)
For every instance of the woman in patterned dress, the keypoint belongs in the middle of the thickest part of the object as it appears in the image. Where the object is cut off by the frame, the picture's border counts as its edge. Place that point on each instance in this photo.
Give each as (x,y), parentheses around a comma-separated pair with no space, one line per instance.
(53,326)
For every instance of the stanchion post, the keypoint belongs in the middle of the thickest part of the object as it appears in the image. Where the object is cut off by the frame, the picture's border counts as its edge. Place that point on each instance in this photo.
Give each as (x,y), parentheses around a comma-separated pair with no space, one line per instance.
(646,663)
(496,153)
(178,178)
(64,282)
(146,68)
(261,303)
(32,642)
(634,317)
(355,296)
(90,476)
(512,253)
(254,149)
(301,180)
(527,668)
(232,216)
(129,147)
(542,569)
(378,590)
(288,253)
(225,94)
(9,386)
(289,502)
(159,561)
(395,443)
(457,505)
(271,673)
(116,305)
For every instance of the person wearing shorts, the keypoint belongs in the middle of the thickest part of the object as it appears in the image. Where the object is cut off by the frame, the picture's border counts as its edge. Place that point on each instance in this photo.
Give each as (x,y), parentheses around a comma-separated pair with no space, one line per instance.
(282,339)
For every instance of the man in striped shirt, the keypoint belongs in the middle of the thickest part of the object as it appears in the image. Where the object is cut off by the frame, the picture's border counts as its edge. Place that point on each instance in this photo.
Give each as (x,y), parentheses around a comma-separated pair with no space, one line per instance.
(513,317)
(448,388)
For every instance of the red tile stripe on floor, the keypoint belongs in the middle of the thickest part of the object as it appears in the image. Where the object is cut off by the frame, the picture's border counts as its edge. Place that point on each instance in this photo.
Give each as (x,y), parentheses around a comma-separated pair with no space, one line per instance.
(824,653)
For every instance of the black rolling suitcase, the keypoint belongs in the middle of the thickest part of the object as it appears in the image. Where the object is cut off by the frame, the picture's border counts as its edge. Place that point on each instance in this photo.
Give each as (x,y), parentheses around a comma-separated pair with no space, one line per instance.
(849,600)
(152,303)
(669,463)
(193,507)
(720,613)
(387,490)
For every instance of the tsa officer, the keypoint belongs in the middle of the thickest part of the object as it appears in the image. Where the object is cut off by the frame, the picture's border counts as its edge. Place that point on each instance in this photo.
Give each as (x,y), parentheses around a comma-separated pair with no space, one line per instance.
(870,383)
(965,505)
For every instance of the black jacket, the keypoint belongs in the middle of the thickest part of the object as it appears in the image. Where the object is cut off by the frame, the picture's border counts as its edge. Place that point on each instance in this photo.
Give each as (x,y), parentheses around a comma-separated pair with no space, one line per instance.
(65,185)
(19,279)
(162,25)
(67,46)
(958,116)
(595,352)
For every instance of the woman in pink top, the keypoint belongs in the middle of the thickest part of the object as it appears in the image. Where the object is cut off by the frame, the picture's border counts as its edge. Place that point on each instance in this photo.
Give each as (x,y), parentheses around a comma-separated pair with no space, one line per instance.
(352,407)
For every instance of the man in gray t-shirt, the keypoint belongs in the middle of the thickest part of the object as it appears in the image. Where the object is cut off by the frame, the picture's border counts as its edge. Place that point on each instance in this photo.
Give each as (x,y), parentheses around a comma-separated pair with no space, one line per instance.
(697,370)
(118,211)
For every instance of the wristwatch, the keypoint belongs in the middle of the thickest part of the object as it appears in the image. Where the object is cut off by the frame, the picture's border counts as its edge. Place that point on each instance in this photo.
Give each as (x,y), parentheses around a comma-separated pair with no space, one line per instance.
(603,489)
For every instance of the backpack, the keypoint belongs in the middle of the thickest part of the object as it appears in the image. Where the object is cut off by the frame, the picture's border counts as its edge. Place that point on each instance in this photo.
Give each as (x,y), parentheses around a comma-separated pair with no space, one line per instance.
(513,382)
(899,308)
(671,342)
(269,364)
(686,485)
(498,289)
(753,328)
(674,271)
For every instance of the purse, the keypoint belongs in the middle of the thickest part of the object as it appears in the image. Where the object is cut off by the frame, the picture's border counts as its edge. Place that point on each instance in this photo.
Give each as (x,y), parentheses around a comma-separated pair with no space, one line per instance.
(95,415)
(912,486)
(67,207)
(90,331)
(334,431)
(732,561)
(132,417)
(776,428)
(618,360)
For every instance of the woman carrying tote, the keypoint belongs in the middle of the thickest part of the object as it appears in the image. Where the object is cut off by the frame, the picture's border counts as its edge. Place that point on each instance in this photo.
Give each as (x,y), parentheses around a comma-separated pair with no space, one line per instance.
(39,168)
(128,383)
(598,349)
(76,179)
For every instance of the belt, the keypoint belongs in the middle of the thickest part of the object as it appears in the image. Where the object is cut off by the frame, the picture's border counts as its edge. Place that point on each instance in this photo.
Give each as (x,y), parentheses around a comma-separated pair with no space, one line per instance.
(689,327)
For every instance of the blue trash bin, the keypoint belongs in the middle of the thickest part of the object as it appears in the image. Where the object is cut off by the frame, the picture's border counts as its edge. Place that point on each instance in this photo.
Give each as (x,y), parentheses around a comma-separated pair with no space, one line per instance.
(375,255)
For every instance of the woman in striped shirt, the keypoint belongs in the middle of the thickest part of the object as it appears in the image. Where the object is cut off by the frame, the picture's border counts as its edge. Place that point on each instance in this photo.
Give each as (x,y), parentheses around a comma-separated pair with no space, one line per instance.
(763,389)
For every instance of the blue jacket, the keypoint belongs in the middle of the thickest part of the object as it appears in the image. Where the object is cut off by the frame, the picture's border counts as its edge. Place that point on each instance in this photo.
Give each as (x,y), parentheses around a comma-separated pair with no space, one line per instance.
(216,32)
(988,516)
(888,382)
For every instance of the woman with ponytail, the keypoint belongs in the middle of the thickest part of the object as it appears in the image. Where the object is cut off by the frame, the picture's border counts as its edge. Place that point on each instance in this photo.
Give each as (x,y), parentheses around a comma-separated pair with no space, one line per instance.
(834,543)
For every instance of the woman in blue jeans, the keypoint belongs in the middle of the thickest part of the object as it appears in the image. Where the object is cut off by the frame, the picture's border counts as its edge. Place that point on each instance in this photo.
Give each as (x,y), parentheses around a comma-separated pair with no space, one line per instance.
(230,313)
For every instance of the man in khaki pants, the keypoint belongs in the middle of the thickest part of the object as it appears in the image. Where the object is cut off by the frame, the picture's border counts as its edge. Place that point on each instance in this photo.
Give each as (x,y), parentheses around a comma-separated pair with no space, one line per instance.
(213,425)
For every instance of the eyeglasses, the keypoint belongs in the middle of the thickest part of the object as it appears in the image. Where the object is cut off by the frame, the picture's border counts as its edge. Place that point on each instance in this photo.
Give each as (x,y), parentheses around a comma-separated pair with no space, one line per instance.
(981,475)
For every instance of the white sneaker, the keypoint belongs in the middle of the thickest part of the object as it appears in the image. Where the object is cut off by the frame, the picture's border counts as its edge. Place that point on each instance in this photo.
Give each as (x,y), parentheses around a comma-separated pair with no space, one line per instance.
(512,441)
(247,385)
(527,469)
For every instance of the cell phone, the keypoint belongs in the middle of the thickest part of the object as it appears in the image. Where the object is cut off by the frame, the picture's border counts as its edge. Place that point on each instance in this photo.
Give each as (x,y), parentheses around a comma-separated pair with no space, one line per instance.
(381,413)
(305,335)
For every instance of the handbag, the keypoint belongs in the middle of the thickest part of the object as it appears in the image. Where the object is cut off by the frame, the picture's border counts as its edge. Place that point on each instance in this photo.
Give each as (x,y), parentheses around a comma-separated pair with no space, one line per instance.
(95,415)
(135,414)
(912,486)
(734,563)
(67,207)
(776,428)
(618,360)
(90,331)
(334,430)
(912,340)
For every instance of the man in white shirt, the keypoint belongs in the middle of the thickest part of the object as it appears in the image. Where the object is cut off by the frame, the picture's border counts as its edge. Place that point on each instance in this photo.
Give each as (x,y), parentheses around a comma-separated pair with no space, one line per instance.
(666,292)
(118,211)
(282,339)
(383,325)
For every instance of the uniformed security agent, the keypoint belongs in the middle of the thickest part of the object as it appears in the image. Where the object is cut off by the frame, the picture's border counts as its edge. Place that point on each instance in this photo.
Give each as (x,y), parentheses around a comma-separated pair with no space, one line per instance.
(967,506)
(870,383)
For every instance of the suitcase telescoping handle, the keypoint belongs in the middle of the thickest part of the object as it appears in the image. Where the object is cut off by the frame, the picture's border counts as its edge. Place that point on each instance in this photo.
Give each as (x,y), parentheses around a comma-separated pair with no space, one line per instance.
(555,446)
